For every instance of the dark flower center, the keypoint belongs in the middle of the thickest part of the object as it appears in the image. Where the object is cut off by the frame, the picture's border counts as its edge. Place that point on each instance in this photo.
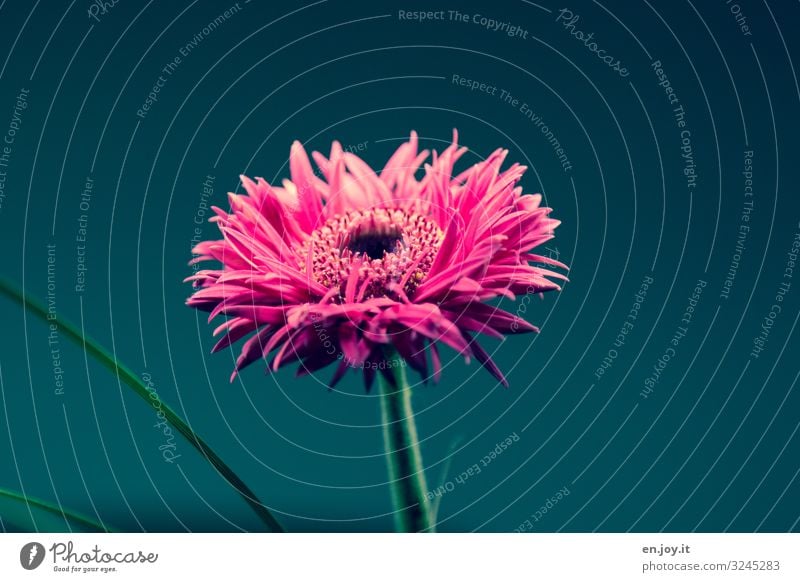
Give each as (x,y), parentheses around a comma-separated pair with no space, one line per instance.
(373,239)
(387,245)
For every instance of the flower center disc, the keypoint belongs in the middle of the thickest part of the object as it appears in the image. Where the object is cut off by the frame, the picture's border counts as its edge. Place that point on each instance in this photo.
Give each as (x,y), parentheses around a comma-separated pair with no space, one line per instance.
(373,239)
(389,247)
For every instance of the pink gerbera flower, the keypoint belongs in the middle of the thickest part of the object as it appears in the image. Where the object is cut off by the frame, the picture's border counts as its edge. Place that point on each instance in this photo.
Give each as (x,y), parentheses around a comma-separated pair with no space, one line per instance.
(359,266)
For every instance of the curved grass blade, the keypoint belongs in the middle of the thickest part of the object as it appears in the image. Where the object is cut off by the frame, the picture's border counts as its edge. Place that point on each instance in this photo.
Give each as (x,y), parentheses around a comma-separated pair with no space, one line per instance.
(443,477)
(133,381)
(68,515)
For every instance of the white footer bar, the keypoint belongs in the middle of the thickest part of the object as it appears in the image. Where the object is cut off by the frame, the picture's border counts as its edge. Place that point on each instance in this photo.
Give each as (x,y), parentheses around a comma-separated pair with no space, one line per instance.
(393,557)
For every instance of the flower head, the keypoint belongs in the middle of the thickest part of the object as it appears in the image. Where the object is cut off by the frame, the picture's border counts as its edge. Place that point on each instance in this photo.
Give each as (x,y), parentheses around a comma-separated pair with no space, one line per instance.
(355,265)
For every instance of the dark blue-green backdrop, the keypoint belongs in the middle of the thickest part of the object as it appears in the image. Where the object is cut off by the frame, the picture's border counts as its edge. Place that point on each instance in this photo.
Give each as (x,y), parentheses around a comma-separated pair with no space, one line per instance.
(658,115)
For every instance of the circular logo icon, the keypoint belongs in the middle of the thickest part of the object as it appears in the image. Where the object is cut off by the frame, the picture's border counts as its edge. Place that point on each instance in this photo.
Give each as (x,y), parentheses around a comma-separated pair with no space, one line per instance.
(31,555)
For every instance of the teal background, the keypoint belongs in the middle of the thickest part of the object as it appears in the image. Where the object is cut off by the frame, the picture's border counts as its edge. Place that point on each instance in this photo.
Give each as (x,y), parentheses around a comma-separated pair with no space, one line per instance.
(713,448)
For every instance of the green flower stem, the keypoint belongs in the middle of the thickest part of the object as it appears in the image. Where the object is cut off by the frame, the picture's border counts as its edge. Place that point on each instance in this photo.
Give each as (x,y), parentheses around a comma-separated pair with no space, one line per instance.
(403,455)
(132,380)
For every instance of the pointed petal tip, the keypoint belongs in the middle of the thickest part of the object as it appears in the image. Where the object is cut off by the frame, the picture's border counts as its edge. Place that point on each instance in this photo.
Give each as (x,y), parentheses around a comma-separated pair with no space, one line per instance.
(297,150)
